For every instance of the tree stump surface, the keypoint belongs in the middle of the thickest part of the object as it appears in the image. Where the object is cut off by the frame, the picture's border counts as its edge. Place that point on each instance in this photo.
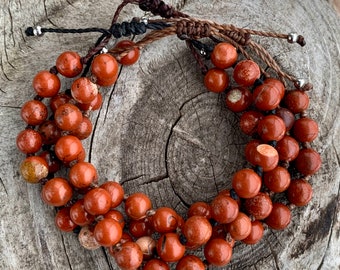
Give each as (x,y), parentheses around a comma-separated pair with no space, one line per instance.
(160,132)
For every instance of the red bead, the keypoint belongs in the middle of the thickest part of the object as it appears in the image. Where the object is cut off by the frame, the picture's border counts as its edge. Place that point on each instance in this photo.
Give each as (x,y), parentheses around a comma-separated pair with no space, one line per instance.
(97,201)
(34,112)
(83,174)
(129,256)
(169,247)
(197,231)
(93,105)
(240,228)
(69,64)
(156,264)
(116,215)
(224,209)
(224,55)
(249,121)
(68,117)
(296,101)
(238,99)
(288,148)
(136,205)
(49,132)
(139,228)
(277,180)
(256,233)
(300,192)
(266,156)
(59,100)
(84,129)
(78,214)
(68,148)
(164,220)
(279,218)
(246,183)
(268,95)
(107,232)
(29,141)
(246,72)
(52,161)
(216,80)
(308,161)
(287,117)
(131,56)
(218,252)
(83,90)
(33,169)
(190,262)
(305,129)
(271,128)
(46,84)
(63,220)
(105,69)
(200,209)
(250,151)
(56,192)
(259,206)
(116,192)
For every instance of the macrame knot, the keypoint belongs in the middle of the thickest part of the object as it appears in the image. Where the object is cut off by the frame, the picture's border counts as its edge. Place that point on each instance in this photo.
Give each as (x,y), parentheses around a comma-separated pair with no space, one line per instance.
(157,7)
(192,30)
(240,38)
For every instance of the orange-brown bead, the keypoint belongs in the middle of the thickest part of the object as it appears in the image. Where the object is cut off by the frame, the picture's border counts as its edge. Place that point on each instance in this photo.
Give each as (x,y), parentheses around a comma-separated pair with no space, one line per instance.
(59,100)
(305,129)
(56,192)
(33,169)
(249,121)
(29,141)
(197,231)
(271,128)
(34,112)
(238,99)
(69,64)
(116,192)
(69,148)
(224,55)
(259,206)
(46,84)
(266,156)
(83,90)
(279,218)
(200,209)
(300,192)
(78,214)
(116,215)
(288,148)
(169,247)
(164,220)
(277,180)
(250,150)
(268,95)
(296,101)
(224,209)
(246,183)
(218,252)
(83,174)
(129,256)
(156,264)
(216,80)
(137,204)
(49,132)
(246,72)
(63,220)
(256,233)
(308,161)
(190,262)
(131,56)
(93,105)
(240,228)
(97,201)
(107,232)
(68,117)
(105,69)
(84,129)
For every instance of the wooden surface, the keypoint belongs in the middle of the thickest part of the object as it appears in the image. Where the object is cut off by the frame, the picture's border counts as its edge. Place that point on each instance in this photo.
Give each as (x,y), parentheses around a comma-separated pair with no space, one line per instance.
(159,131)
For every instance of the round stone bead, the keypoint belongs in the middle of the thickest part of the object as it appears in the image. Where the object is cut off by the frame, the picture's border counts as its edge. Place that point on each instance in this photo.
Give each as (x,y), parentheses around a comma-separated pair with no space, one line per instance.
(266,156)
(33,169)
(288,148)
(308,161)
(246,183)
(238,99)
(216,80)
(279,218)
(259,206)
(246,72)
(277,180)
(249,121)
(218,252)
(256,233)
(296,101)
(224,55)
(305,129)
(69,64)
(300,192)
(271,128)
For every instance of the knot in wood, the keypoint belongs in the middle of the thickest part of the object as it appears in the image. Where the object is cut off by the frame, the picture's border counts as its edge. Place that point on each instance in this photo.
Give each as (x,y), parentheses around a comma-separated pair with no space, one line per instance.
(193,30)
(240,38)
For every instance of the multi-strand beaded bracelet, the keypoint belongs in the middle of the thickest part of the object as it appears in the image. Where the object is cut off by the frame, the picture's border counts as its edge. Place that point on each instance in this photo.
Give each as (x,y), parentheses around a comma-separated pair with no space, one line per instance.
(274,116)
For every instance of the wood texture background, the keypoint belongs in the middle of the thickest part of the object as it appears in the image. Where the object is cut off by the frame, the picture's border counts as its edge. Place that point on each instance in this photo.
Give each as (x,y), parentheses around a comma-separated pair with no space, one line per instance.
(159,131)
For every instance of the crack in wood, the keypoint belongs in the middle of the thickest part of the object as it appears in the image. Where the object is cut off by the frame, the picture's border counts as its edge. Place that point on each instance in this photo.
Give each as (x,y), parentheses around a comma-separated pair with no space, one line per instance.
(274,254)
(64,246)
(3,184)
(109,264)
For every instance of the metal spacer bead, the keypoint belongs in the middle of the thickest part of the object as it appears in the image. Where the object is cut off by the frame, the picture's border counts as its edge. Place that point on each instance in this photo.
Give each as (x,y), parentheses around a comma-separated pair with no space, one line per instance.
(145,20)
(300,83)
(292,37)
(104,50)
(37,31)
(203,52)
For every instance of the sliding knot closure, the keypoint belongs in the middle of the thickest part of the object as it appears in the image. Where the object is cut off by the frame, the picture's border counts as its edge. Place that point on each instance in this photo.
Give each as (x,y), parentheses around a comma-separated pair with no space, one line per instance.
(158,7)
(193,29)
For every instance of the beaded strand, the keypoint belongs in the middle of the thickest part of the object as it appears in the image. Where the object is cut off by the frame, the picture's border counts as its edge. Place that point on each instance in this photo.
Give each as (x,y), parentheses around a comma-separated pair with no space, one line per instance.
(279,152)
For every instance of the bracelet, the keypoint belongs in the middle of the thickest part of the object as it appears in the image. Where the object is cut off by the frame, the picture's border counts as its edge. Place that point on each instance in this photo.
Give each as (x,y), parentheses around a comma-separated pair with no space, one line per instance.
(280,157)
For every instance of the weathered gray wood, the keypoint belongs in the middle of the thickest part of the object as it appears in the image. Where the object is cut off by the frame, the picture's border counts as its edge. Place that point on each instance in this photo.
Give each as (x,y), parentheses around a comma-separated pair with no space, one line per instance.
(160,132)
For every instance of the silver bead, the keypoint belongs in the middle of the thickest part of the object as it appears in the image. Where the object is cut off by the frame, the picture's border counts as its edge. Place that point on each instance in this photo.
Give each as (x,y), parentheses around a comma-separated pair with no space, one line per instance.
(37,31)
(145,20)
(299,83)
(104,50)
(203,52)
(292,37)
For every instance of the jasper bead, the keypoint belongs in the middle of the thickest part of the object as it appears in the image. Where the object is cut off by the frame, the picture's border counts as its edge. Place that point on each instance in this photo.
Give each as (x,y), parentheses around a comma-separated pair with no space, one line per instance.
(300,192)
(200,209)
(224,209)
(68,117)
(164,220)
(271,128)
(34,112)
(246,183)
(78,214)
(82,175)
(83,90)
(238,99)
(116,215)
(69,64)
(305,129)
(95,104)
(250,151)
(190,262)
(296,101)
(279,218)
(59,100)
(131,56)
(156,264)
(268,95)
(33,169)
(224,55)
(139,228)
(288,148)
(249,121)
(256,233)
(49,132)
(46,84)
(83,130)
(129,256)
(68,148)
(197,231)
(63,220)
(240,228)
(216,80)
(277,180)
(218,252)
(308,161)
(266,156)
(287,117)
(56,192)
(169,247)
(259,206)
(97,201)
(29,141)
(107,232)
(105,69)
(116,192)
(87,240)
(246,72)
(136,205)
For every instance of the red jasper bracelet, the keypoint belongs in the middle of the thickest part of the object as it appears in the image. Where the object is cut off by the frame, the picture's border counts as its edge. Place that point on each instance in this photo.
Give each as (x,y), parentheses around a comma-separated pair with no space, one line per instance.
(280,157)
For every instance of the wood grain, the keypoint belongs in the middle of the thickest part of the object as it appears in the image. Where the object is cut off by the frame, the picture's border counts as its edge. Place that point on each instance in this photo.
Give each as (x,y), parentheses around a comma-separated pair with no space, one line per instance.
(159,131)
